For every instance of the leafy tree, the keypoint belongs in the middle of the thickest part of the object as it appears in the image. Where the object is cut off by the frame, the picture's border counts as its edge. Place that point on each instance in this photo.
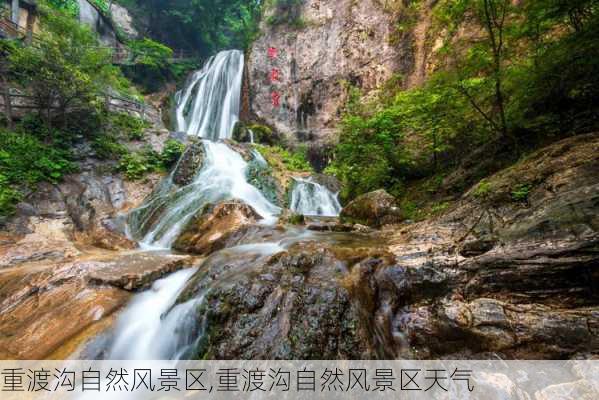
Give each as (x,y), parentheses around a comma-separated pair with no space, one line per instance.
(203,26)
(150,53)
(525,71)
(66,71)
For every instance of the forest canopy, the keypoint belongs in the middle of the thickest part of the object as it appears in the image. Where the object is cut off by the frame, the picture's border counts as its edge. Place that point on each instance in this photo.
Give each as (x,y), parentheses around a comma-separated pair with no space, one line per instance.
(203,26)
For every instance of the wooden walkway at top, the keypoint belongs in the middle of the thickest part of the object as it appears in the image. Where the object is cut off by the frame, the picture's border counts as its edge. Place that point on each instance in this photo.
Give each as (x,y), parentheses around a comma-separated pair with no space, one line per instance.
(20,101)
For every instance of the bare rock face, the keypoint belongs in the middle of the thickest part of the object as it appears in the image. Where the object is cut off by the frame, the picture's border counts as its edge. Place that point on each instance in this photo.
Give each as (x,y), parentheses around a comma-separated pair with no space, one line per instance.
(43,305)
(122,18)
(373,209)
(340,43)
(215,226)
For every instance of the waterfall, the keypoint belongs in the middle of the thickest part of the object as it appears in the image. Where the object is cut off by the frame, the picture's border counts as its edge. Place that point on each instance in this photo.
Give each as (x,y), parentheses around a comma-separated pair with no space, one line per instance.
(208,106)
(148,327)
(311,198)
(222,177)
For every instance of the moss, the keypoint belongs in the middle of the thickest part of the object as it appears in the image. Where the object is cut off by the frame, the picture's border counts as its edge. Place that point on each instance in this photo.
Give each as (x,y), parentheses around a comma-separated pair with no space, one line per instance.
(288,160)
(262,178)
(520,192)
(296,219)
(483,189)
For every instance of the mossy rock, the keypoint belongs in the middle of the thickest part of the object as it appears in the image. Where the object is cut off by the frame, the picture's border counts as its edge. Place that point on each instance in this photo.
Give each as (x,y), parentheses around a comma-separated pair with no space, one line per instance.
(262,134)
(372,209)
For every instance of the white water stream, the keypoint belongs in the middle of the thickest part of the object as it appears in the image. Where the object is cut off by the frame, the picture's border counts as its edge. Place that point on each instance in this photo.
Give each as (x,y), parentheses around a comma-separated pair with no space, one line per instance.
(153,326)
(311,198)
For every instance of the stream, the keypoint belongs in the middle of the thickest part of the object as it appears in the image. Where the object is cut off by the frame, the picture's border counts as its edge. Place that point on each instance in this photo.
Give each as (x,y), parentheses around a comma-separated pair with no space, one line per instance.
(156,324)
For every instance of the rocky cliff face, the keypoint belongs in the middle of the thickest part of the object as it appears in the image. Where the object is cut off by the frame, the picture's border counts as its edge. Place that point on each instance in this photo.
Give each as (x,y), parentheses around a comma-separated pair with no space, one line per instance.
(341,43)
(493,275)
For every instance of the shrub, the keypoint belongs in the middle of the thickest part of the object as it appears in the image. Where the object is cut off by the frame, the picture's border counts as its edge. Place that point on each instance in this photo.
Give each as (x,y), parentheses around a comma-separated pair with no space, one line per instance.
(108,148)
(171,152)
(482,190)
(25,161)
(521,192)
(128,126)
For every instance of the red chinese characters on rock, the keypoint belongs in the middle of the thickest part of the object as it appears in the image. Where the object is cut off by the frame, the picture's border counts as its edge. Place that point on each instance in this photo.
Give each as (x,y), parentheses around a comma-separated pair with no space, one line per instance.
(276,98)
(272,52)
(274,75)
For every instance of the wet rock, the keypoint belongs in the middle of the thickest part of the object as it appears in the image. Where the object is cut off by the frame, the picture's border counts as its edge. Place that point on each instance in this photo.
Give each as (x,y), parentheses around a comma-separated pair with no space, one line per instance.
(45,305)
(501,276)
(477,247)
(137,271)
(243,149)
(179,136)
(328,181)
(189,165)
(260,175)
(373,209)
(41,307)
(211,229)
(290,305)
(103,236)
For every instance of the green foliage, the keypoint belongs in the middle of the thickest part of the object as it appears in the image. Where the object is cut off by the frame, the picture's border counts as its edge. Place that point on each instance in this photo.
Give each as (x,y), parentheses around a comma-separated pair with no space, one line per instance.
(522,73)
(521,192)
(134,166)
(171,152)
(127,126)
(293,160)
(438,208)
(286,12)
(150,53)
(70,7)
(25,161)
(107,147)
(203,26)
(482,190)
(296,219)
(8,197)
(102,5)
(66,71)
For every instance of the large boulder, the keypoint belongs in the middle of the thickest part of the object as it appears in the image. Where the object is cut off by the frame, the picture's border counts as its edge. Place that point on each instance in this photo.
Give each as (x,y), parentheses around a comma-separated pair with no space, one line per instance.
(190,164)
(289,305)
(373,209)
(500,271)
(211,229)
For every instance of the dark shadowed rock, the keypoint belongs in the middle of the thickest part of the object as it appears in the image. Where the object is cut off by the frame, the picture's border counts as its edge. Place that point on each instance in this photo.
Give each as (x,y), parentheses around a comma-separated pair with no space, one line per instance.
(190,164)
(291,305)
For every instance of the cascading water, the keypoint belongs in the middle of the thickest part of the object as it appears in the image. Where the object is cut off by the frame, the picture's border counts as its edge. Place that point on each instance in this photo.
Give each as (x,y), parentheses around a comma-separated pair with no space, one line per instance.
(311,198)
(207,107)
(147,329)
(152,325)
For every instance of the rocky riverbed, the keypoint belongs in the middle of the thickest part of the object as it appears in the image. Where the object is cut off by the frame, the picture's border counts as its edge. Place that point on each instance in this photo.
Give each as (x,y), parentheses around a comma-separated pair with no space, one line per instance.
(491,276)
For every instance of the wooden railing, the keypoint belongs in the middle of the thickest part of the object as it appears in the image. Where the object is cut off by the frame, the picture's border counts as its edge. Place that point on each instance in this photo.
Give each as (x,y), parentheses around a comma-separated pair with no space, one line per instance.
(10,29)
(19,101)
